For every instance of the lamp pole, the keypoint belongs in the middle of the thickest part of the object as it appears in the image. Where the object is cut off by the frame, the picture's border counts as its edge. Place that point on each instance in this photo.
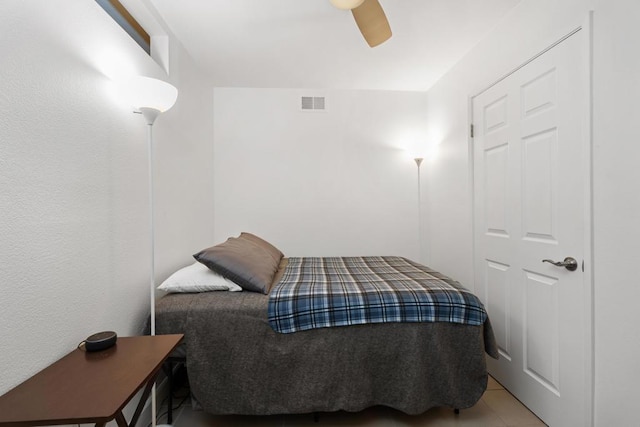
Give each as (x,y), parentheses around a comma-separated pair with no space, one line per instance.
(152,241)
(150,115)
(418,161)
(150,97)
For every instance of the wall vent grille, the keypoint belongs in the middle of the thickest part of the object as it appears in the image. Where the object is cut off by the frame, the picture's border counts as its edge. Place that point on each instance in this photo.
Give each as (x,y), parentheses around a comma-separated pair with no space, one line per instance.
(313,103)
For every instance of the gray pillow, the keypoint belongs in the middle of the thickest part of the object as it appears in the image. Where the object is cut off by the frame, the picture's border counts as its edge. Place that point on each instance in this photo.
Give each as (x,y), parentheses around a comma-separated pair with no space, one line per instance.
(244,262)
(273,251)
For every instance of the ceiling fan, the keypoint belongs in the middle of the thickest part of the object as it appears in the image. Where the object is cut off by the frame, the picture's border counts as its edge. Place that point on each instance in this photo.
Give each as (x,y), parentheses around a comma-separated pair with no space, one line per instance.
(369,17)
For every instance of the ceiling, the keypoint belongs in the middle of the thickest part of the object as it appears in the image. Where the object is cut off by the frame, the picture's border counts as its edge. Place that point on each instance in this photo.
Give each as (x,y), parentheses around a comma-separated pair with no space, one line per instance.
(311,44)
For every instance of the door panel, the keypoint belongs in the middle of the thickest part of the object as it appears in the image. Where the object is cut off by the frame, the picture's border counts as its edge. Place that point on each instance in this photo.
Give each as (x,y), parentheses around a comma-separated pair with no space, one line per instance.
(539,183)
(529,205)
(541,354)
(497,303)
(496,184)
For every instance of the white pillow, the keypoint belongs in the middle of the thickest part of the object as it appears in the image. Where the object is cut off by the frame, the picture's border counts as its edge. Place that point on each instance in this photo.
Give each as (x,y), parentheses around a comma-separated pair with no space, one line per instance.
(197,278)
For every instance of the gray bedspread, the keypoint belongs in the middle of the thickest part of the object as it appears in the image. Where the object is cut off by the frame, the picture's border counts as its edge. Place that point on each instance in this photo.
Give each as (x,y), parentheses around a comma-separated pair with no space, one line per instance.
(237,364)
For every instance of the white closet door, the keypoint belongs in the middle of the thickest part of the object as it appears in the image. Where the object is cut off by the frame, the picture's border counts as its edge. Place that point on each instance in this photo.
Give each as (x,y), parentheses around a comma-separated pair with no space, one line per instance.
(530,148)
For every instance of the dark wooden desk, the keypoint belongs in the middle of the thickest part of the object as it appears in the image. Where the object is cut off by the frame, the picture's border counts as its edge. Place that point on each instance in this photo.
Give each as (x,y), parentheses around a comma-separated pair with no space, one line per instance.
(89,387)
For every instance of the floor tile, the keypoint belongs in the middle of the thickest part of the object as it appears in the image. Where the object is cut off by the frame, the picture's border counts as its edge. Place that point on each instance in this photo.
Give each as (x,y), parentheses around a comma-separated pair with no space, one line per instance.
(371,417)
(190,418)
(480,415)
(492,384)
(509,409)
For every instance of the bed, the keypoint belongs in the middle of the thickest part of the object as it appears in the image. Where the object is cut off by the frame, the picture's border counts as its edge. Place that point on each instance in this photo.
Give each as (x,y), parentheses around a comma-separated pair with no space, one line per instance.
(237,363)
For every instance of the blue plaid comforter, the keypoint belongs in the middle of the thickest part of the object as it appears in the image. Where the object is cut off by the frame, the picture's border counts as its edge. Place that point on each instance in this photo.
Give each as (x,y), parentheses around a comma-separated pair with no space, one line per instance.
(340,291)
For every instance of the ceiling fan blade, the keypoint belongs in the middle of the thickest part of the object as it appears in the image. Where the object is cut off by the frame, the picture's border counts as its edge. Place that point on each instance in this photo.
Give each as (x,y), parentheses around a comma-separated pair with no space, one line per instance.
(372,22)
(346,4)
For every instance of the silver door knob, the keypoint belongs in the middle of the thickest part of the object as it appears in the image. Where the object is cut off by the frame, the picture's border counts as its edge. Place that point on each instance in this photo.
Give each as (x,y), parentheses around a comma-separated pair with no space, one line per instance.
(569,263)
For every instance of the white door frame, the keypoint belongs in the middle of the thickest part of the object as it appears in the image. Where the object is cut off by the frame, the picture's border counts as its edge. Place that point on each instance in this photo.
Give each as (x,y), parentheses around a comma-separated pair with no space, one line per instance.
(587,170)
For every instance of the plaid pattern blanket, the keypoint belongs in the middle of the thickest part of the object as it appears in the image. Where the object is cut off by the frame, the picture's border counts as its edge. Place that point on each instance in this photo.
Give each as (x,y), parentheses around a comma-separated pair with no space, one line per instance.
(340,291)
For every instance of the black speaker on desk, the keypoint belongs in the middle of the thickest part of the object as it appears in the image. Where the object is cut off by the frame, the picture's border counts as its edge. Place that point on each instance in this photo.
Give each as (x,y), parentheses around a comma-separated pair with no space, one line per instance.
(99,341)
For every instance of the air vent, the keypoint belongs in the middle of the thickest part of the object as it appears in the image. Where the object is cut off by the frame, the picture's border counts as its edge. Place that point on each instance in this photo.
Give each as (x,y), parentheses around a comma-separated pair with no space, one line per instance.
(313,103)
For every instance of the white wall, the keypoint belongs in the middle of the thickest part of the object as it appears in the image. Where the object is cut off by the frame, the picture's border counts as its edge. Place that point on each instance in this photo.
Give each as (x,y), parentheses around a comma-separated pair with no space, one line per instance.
(74,252)
(318,183)
(530,27)
(616,210)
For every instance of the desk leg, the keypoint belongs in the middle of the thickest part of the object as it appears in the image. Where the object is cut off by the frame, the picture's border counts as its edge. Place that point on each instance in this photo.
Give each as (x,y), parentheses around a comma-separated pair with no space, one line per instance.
(143,399)
(121,421)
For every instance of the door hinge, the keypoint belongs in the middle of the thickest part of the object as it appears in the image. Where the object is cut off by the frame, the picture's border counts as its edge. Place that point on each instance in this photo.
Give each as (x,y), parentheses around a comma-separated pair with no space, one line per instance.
(471,130)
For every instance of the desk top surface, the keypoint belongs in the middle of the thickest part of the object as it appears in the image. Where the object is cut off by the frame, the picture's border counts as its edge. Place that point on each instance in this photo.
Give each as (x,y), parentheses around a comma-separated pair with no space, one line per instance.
(87,387)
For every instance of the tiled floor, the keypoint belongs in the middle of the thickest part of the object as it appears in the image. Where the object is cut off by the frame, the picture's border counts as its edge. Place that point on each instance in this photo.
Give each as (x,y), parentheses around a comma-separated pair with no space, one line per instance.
(496,408)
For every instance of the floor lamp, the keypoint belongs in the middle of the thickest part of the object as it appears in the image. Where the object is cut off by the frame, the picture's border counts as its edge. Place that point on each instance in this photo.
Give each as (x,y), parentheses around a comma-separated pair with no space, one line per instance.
(418,161)
(150,97)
